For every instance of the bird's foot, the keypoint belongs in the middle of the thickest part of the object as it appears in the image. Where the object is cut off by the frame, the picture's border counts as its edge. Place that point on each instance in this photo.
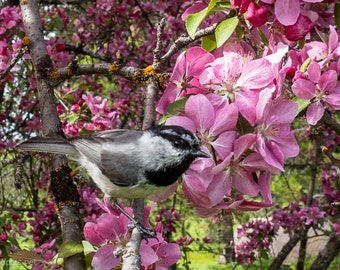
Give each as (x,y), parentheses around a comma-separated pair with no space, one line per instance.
(145,232)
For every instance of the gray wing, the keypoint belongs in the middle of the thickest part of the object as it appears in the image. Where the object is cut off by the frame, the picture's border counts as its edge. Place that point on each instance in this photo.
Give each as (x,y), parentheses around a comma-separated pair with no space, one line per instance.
(114,152)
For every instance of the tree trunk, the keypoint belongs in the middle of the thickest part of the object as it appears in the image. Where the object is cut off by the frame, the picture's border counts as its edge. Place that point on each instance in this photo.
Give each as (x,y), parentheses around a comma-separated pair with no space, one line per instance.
(327,255)
(286,249)
(302,250)
(62,185)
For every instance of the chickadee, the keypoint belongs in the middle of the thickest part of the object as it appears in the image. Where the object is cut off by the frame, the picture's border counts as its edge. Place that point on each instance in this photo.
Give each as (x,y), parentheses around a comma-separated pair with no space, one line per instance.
(128,164)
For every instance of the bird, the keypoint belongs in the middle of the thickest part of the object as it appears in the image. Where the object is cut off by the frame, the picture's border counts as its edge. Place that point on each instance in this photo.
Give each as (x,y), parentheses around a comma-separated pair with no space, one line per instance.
(125,163)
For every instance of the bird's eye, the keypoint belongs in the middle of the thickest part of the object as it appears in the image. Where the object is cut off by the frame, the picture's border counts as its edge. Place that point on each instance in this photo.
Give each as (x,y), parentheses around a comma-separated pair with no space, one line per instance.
(182,144)
(177,143)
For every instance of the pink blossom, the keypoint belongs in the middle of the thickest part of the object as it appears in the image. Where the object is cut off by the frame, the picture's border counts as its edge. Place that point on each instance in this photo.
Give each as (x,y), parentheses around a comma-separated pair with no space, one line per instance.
(240,80)
(11,18)
(312,215)
(110,232)
(336,227)
(184,79)
(103,116)
(299,29)
(323,52)
(237,204)
(322,87)
(256,238)
(168,254)
(274,139)
(287,11)
(205,186)
(212,118)
(242,4)
(256,15)
(241,169)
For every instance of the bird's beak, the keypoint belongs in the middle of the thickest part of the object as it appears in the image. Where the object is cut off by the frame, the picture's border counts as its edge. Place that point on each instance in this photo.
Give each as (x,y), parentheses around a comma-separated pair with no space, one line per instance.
(202,154)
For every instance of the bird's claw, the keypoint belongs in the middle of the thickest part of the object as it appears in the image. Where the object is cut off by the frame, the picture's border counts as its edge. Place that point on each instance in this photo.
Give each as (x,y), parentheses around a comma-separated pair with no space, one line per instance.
(145,232)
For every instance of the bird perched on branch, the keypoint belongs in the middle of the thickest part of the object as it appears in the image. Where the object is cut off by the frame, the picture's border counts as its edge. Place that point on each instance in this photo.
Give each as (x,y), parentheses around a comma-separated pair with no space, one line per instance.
(128,164)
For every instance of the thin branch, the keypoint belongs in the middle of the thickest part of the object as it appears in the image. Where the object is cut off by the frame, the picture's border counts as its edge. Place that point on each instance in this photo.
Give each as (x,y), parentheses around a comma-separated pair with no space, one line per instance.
(185,40)
(157,51)
(20,52)
(331,122)
(85,51)
(146,15)
(131,258)
(101,69)
(286,249)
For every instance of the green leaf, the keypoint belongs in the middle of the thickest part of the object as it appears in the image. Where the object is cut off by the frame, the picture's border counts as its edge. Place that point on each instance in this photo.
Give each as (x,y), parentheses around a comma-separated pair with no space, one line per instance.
(262,36)
(209,43)
(224,30)
(305,65)
(72,117)
(337,14)
(302,104)
(88,248)
(69,249)
(177,107)
(194,20)
(264,254)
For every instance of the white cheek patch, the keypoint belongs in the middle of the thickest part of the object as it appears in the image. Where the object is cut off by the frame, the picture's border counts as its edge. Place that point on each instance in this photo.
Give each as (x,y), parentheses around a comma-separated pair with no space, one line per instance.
(159,152)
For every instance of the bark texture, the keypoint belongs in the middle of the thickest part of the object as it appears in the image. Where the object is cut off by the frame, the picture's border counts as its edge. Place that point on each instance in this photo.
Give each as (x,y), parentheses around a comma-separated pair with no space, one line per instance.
(64,191)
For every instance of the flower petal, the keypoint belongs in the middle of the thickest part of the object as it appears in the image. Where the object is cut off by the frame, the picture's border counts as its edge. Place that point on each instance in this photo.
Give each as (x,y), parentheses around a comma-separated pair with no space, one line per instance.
(328,80)
(304,89)
(264,186)
(244,183)
(224,144)
(256,74)
(148,255)
(314,113)
(199,109)
(104,259)
(91,234)
(287,11)
(182,121)
(169,254)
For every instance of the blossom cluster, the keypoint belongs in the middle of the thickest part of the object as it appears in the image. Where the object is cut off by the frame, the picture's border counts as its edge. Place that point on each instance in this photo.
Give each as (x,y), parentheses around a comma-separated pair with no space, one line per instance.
(110,232)
(168,218)
(331,193)
(224,87)
(255,239)
(238,103)
(295,216)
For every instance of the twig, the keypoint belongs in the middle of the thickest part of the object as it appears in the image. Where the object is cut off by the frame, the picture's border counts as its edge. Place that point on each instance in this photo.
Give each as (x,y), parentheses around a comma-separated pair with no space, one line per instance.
(84,51)
(329,121)
(185,40)
(157,51)
(20,52)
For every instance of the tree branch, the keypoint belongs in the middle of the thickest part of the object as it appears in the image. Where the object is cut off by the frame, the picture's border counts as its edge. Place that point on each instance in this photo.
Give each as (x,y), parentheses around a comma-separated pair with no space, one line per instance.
(131,257)
(327,254)
(286,249)
(185,40)
(66,194)
(20,52)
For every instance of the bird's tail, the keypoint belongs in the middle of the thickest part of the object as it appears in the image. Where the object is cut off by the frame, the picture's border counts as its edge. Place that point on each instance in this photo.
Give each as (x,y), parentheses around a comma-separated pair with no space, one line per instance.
(48,145)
